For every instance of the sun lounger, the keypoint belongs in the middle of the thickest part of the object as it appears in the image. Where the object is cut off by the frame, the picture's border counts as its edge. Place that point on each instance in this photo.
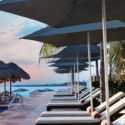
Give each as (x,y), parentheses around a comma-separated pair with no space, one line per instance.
(10,98)
(74,104)
(68,93)
(4,99)
(69,90)
(63,99)
(85,120)
(76,88)
(99,108)
(80,89)
(66,89)
(120,121)
(83,94)
(86,92)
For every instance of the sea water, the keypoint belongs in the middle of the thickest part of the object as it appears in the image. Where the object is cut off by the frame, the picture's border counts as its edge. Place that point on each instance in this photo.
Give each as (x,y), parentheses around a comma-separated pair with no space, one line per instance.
(29,87)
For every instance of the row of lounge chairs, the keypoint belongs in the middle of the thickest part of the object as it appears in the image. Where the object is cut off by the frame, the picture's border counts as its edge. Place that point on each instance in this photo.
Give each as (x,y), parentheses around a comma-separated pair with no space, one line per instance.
(68,93)
(116,102)
(5,99)
(82,103)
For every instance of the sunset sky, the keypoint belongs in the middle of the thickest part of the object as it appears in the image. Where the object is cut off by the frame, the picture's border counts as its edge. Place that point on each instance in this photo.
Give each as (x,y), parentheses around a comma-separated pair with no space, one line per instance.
(25,53)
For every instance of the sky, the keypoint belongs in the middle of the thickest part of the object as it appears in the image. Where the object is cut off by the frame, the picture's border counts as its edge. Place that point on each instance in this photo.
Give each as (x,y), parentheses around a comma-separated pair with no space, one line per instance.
(25,53)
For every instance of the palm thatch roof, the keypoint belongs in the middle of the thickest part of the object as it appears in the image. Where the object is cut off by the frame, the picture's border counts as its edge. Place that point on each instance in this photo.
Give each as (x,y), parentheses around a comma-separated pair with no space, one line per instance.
(7,72)
(24,74)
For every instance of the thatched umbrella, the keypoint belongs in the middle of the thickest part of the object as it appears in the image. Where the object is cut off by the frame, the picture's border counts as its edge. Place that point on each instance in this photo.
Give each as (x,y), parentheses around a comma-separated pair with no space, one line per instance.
(8,73)
(24,75)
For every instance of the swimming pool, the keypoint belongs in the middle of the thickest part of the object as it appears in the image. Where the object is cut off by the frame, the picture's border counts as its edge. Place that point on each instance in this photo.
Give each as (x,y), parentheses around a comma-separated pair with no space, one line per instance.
(31,89)
(3,108)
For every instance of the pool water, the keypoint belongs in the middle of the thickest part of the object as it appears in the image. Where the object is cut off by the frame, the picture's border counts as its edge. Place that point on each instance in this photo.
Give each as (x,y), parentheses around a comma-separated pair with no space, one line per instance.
(30,89)
(3,108)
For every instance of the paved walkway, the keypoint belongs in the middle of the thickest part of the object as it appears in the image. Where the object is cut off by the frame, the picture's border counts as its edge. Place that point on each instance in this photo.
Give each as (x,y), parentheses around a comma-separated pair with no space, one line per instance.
(28,114)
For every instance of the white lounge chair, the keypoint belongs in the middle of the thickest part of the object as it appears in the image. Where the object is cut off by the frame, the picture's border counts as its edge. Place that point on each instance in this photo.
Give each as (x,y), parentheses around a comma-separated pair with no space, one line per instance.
(70,99)
(85,120)
(84,93)
(68,89)
(99,108)
(73,104)
(120,121)
(68,93)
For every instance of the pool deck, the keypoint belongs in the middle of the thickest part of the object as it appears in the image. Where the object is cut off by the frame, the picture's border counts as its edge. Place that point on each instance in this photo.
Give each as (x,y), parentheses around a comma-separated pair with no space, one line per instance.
(27,115)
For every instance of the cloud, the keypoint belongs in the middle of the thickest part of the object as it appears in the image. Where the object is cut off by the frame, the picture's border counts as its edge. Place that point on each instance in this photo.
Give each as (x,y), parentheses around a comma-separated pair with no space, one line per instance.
(2,33)
(28,27)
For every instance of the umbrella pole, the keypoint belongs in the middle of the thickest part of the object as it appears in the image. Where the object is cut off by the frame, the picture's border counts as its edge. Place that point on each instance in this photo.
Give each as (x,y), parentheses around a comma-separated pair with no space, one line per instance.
(105,60)
(89,59)
(74,78)
(68,80)
(10,87)
(4,88)
(71,80)
(78,75)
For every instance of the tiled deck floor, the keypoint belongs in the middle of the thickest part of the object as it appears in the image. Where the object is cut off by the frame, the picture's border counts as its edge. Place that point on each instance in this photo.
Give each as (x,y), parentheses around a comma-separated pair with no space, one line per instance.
(28,114)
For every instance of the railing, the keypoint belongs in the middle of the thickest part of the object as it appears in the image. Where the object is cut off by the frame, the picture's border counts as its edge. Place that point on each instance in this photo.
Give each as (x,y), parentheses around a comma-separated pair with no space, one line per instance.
(21,98)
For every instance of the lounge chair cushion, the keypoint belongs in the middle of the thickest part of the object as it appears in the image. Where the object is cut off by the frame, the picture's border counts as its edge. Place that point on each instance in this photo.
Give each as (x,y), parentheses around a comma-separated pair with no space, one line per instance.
(120,121)
(104,122)
(64,114)
(95,114)
(52,120)
(114,108)
(89,109)
(66,103)
(82,100)
(111,101)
